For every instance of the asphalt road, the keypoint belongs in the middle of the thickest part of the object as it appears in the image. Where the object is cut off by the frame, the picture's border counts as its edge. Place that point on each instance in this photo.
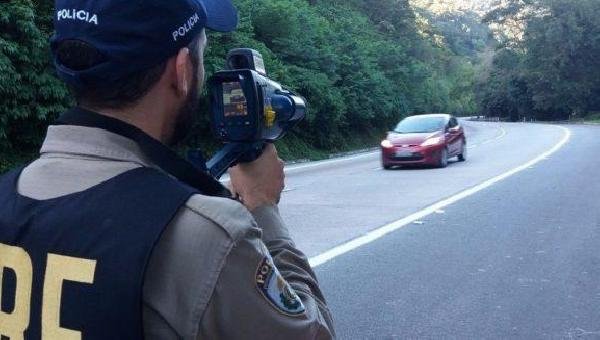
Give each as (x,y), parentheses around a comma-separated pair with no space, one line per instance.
(329,203)
(518,258)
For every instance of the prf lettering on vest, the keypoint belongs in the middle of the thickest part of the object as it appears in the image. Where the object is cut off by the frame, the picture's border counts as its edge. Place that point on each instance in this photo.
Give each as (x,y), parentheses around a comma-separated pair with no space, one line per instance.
(186,28)
(77,14)
(58,269)
(13,325)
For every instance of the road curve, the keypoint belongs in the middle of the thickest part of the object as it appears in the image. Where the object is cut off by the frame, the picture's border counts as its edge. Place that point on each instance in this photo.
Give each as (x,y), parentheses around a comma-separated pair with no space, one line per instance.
(518,260)
(329,203)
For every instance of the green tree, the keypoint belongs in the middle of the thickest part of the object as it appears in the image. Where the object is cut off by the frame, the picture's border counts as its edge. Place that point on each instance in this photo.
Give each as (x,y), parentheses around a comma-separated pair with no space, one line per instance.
(30,94)
(361,64)
(554,70)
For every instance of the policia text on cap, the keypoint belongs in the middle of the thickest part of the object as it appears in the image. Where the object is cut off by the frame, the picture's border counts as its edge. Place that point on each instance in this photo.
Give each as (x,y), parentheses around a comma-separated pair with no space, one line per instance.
(110,235)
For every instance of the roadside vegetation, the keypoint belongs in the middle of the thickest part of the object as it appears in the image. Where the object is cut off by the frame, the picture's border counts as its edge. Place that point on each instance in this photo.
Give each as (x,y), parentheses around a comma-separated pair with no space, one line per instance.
(546,64)
(593,118)
(362,65)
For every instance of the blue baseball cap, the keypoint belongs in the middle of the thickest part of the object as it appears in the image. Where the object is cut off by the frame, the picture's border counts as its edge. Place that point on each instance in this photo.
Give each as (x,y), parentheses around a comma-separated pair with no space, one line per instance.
(132,35)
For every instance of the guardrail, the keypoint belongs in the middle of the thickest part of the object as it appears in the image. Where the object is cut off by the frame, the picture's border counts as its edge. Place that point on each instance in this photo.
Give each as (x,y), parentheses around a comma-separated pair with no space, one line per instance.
(500,119)
(485,119)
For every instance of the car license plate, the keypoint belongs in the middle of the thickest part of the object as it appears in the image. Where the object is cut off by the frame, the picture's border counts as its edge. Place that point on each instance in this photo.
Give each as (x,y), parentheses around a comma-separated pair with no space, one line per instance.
(403,153)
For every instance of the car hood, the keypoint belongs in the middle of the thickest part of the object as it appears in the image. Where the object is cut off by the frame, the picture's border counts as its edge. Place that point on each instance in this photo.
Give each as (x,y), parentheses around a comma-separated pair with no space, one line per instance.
(411,138)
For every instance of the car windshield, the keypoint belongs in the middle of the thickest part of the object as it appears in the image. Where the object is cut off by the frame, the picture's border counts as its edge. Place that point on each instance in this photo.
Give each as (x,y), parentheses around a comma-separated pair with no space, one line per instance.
(420,125)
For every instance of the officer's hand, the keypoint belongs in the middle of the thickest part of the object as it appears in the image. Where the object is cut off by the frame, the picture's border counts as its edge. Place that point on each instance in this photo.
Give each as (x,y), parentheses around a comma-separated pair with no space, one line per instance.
(261,182)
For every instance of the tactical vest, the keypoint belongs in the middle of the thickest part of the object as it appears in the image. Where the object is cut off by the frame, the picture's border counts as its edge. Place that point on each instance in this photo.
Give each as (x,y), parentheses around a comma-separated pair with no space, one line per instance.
(73,266)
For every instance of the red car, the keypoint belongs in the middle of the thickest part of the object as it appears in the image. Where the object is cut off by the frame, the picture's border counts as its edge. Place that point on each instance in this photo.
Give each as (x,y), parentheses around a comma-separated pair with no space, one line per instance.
(424,140)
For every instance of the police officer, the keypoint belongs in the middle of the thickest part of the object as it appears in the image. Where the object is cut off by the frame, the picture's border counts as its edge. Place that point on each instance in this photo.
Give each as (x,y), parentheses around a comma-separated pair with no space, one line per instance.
(109,235)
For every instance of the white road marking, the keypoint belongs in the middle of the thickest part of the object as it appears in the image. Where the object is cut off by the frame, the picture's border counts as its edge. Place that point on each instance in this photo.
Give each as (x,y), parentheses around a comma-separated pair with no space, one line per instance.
(383,231)
(500,136)
(329,162)
(310,165)
(292,168)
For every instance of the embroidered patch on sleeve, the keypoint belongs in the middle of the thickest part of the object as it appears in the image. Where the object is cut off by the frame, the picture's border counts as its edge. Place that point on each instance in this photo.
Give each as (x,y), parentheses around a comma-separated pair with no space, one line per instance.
(277,290)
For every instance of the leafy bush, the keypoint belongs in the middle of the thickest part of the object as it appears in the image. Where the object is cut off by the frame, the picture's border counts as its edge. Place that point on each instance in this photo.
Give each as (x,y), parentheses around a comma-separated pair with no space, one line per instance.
(551,71)
(30,94)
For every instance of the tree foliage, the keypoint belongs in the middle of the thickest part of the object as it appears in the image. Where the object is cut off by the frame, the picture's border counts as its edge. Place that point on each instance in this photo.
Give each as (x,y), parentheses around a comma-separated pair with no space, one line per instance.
(362,65)
(550,70)
(30,94)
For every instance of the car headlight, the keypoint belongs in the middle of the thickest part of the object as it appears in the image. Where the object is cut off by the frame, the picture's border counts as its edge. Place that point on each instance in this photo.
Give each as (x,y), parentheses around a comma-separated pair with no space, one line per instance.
(387,144)
(432,141)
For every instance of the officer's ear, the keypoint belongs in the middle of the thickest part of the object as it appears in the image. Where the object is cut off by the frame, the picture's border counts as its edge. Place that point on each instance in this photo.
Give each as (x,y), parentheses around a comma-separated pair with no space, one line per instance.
(184,72)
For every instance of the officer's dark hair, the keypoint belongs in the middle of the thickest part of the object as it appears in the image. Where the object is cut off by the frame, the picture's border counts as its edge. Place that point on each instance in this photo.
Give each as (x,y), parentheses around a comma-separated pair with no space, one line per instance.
(79,55)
